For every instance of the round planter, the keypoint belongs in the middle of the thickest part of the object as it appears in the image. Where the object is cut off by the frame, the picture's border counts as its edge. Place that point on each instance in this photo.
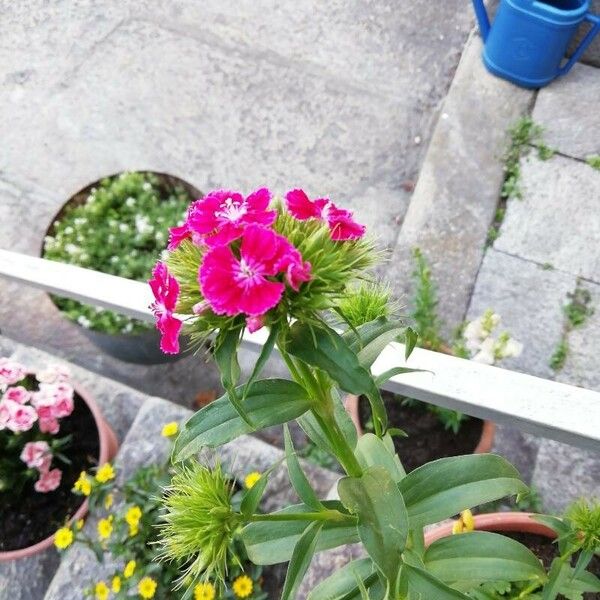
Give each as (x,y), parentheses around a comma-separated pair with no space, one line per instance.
(139,348)
(496,522)
(486,441)
(108,448)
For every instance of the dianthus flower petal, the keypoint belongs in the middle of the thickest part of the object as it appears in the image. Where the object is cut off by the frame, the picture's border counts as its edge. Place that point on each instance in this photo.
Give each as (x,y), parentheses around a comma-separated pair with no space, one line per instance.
(300,206)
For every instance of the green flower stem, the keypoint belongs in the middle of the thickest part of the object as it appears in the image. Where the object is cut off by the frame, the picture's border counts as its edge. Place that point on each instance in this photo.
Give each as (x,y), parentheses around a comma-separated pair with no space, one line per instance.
(528,590)
(324,515)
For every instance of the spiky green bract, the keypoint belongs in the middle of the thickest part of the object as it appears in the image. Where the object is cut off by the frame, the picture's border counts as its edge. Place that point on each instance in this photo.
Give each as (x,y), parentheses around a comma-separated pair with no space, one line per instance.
(584,519)
(367,302)
(199,521)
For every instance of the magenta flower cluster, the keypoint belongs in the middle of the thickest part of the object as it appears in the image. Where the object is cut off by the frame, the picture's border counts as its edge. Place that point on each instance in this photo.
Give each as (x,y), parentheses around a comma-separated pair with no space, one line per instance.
(21,410)
(247,265)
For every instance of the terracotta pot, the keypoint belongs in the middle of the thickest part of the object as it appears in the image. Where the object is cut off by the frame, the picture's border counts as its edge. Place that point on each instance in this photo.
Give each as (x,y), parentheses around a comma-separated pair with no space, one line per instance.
(138,348)
(108,449)
(496,522)
(486,441)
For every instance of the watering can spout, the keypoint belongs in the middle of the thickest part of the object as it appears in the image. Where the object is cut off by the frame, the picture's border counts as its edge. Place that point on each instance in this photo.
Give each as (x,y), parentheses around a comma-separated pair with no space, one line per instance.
(482,18)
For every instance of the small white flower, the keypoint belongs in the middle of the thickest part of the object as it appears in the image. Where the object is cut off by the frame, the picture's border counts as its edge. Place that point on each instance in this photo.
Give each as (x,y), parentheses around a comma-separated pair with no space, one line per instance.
(114,260)
(143,225)
(68,230)
(123,227)
(130,202)
(80,221)
(72,249)
(509,348)
(84,321)
(486,352)
(147,186)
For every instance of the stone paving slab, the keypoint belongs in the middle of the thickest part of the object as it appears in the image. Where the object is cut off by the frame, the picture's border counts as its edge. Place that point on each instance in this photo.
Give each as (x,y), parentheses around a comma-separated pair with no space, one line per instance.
(529,299)
(458,188)
(568,111)
(557,222)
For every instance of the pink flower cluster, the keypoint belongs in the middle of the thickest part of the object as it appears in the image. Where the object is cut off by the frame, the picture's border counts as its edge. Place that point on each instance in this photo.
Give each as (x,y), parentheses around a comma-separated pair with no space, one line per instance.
(247,265)
(21,409)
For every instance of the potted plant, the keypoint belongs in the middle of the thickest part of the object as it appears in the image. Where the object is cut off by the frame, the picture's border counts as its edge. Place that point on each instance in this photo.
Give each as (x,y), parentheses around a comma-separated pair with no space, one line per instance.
(251,262)
(124,540)
(555,542)
(50,431)
(118,226)
(432,431)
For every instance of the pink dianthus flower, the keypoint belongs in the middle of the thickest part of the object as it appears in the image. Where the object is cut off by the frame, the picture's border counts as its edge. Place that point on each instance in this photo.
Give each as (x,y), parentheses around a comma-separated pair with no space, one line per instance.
(245,284)
(341,222)
(48,481)
(166,291)
(221,216)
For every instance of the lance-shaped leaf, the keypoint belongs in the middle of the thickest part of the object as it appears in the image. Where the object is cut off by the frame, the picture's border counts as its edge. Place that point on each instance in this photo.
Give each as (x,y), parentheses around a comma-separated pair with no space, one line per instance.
(272,542)
(382,518)
(481,556)
(263,357)
(301,557)
(585,582)
(226,358)
(297,477)
(372,451)
(324,348)
(343,584)
(372,338)
(445,487)
(387,375)
(410,340)
(269,402)
(422,584)
(252,497)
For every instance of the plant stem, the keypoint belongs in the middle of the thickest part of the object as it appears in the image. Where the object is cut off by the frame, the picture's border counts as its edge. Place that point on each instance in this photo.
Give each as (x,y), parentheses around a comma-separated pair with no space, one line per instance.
(325,515)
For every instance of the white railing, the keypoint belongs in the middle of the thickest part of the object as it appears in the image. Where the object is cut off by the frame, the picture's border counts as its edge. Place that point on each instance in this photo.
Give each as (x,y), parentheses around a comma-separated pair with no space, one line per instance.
(555,410)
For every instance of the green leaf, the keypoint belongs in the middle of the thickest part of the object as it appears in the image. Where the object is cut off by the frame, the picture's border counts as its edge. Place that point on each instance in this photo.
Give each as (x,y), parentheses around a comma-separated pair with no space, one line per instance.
(557,576)
(382,518)
(585,582)
(297,477)
(301,557)
(410,340)
(372,338)
(386,375)
(424,585)
(372,451)
(269,402)
(480,556)
(265,353)
(269,543)
(252,497)
(585,557)
(342,585)
(226,357)
(445,487)
(324,348)
(342,418)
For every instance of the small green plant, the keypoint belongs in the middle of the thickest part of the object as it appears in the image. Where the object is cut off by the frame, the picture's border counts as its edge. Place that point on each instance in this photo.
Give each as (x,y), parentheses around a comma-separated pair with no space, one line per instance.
(425,314)
(559,357)
(523,134)
(577,310)
(594,161)
(494,230)
(120,229)
(548,266)
(450,419)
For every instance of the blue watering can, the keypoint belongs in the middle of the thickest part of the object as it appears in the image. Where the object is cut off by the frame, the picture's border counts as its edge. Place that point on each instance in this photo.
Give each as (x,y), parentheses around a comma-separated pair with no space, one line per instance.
(528,40)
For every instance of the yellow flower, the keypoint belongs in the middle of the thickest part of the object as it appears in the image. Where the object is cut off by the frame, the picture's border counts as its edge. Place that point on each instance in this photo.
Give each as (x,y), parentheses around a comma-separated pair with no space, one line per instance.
(147,587)
(83,485)
(251,479)
(101,591)
(108,501)
(116,584)
(63,538)
(170,429)
(105,473)
(242,586)
(129,569)
(105,528)
(79,524)
(133,515)
(134,530)
(464,523)
(204,591)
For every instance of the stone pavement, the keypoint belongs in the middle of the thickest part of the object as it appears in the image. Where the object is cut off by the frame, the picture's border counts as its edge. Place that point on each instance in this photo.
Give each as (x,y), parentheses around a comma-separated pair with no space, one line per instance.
(548,245)
(338,97)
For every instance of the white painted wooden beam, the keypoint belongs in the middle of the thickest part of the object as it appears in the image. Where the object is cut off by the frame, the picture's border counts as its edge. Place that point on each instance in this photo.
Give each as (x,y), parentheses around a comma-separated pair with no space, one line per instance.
(555,410)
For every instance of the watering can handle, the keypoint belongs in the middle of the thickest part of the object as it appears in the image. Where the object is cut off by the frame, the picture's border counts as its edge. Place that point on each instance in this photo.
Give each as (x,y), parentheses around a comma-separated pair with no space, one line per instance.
(482,18)
(585,42)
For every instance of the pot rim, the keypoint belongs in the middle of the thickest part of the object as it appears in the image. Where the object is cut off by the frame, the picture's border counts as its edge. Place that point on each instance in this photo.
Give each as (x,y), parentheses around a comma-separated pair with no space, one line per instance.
(108,447)
(484,445)
(495,522)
